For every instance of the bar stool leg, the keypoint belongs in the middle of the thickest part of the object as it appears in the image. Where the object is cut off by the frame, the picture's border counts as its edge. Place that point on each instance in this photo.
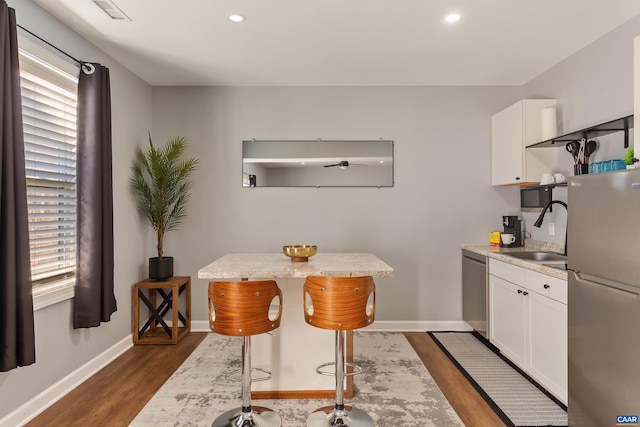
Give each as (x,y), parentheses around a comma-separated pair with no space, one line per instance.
(247,416)
(340,416)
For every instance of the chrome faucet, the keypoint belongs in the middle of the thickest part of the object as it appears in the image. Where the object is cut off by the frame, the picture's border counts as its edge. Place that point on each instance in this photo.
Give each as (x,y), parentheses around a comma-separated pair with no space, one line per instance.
(538,222)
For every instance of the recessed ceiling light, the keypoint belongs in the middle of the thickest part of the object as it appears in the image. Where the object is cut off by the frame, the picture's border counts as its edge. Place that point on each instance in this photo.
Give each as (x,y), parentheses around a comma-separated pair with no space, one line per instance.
(452,17)
(236,18)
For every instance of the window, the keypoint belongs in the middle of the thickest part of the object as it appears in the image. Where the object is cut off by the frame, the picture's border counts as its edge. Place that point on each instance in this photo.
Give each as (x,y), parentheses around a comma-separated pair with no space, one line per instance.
(49,97)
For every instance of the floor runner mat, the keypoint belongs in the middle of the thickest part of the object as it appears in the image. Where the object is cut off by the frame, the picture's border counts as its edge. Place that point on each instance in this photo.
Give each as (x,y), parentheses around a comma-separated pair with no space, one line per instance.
(517,399)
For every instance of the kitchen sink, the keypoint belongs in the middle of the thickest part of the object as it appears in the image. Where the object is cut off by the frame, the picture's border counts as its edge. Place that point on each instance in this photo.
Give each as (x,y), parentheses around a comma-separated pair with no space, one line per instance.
(538,256)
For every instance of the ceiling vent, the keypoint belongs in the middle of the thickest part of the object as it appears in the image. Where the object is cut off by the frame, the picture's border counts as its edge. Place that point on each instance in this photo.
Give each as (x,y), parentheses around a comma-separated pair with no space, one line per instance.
(111,9)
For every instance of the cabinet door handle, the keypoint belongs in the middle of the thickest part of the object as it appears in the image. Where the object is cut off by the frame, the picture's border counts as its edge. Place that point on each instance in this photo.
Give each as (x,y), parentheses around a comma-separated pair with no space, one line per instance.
(517,178)
(525,293)
(546,286)
(519,291)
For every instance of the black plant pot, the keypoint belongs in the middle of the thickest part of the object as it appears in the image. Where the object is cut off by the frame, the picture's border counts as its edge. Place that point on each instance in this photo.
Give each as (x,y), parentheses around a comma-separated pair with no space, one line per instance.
(160,268)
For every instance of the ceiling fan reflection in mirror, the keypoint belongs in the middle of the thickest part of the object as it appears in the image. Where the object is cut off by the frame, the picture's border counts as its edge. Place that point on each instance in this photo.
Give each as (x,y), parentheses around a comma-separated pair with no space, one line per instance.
(344,164)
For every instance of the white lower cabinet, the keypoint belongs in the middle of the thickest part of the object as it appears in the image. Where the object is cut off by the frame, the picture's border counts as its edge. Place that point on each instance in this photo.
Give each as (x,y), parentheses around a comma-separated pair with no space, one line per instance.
(548,358)
(528,322)
(507,319)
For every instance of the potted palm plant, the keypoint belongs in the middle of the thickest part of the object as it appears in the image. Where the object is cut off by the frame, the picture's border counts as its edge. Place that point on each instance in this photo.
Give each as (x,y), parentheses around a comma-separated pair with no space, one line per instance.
(161,183)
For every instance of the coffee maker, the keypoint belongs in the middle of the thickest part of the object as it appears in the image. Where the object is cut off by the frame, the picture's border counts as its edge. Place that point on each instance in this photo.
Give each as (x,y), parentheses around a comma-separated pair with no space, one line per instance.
(512,225)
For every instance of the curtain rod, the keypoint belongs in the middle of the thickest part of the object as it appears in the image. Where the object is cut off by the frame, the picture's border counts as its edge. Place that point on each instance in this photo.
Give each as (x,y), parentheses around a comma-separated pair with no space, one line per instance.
(55,47)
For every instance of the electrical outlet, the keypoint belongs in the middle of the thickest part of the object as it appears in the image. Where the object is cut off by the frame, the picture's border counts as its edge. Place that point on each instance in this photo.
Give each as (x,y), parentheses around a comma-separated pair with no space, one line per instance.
(552,229)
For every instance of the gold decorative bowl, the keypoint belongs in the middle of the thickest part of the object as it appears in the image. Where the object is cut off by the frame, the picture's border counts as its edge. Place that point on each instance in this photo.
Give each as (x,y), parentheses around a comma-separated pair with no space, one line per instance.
(299,253)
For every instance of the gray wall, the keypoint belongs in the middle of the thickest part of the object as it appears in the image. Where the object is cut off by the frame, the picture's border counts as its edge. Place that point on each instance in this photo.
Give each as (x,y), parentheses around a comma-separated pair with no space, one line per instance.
(442,196)
(59,349)
(593,86)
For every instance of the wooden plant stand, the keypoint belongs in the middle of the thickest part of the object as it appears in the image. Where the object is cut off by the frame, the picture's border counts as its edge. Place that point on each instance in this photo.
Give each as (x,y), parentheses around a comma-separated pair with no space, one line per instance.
(156,330)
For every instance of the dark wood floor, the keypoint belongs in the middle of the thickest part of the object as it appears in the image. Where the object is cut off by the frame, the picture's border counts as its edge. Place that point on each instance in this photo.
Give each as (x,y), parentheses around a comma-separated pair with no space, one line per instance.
(115,395)
(470,406)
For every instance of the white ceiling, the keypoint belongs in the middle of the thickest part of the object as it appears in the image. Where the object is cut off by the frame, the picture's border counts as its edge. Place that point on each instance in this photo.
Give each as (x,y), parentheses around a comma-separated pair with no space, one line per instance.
(342,42)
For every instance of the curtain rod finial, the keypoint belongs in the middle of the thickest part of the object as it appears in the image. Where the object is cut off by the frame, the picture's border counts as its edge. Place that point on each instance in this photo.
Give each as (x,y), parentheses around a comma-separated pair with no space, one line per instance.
(88,68)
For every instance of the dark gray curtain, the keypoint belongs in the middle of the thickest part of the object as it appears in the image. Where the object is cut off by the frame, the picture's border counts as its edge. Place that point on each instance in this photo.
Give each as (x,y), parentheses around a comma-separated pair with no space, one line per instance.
(17,339)
(94,300)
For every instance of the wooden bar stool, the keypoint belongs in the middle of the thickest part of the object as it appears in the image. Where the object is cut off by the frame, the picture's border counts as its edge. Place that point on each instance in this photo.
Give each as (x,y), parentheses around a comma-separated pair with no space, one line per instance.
(339,304)
(243,309)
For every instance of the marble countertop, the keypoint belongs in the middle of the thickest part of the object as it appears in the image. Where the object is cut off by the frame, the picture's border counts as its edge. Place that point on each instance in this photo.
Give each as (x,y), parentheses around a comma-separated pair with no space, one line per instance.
(502,254)
(278,265)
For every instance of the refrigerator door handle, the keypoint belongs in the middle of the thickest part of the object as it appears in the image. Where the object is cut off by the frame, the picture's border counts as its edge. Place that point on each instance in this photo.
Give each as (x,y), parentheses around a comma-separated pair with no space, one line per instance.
(635,185)
(629,291)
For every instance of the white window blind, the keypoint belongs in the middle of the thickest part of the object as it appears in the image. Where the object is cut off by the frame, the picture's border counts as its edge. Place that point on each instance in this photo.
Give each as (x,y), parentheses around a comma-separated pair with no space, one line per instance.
(49,99)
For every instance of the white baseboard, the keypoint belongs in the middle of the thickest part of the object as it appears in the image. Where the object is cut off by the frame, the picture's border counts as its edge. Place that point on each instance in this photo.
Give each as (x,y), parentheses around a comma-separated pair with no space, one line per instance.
(418,326)
(383,326)
(200,326)
(48,397)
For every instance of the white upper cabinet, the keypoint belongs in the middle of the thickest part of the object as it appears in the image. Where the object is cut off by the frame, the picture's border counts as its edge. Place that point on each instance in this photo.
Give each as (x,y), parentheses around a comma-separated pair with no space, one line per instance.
(512,130)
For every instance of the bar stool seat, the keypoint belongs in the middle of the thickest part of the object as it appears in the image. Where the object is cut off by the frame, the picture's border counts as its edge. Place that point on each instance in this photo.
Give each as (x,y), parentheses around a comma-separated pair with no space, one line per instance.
(243,309)
(339,304)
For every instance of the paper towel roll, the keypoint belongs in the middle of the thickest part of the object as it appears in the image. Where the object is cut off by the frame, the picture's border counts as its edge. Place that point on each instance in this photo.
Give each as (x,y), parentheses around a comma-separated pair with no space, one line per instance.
(549,123)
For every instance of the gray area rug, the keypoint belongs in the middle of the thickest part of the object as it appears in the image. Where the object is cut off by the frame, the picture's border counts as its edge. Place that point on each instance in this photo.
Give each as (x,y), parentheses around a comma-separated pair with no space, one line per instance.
(395,389)
(522,402)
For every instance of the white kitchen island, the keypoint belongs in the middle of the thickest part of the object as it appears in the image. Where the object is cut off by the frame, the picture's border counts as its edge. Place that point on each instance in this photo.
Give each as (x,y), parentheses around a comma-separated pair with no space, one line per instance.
(297,348)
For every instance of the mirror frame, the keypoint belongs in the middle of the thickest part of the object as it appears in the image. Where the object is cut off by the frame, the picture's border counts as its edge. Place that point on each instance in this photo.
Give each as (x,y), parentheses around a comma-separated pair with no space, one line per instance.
(313,163)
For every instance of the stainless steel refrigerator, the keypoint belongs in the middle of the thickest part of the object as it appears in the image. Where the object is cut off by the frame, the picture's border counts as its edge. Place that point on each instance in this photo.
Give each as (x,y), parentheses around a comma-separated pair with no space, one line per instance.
(604,298)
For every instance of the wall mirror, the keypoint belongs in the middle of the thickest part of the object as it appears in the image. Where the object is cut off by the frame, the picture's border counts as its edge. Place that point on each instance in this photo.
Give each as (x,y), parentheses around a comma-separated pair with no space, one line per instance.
(317,163)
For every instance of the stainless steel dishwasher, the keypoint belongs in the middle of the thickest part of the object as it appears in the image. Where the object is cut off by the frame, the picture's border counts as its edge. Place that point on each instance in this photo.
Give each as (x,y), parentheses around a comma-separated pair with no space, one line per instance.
(475,292)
